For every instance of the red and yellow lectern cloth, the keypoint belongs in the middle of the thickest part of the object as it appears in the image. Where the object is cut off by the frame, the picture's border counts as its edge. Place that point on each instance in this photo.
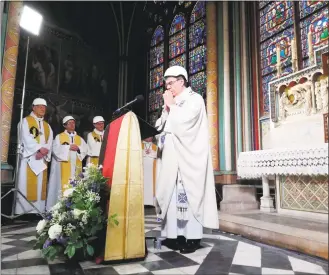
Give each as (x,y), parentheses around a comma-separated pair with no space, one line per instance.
(121,157)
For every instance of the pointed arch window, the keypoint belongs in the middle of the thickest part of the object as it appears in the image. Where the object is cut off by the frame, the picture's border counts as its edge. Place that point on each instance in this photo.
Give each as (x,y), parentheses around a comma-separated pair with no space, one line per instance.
(177,41)
(197,48)
(184,44)
(156,73)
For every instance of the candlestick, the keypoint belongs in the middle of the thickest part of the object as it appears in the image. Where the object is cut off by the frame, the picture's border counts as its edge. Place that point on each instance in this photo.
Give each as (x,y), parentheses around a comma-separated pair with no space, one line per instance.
(293,52)
(278,59)
(310,43)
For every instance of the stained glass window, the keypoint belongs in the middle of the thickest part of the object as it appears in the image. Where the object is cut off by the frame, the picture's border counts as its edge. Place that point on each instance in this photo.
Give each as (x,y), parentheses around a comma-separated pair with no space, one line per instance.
(276,32)
(177,44)
(158,36)
(198,82)
(156,73)
(314,33)
(156,76)
(181,61)
(177,24)
(199,11)
(197,48)
(186,42)
(197,60)
(177,40)
(155,99)
(269,51)
(308,7)
(278,24)
(156,55)
(275,17)
(197,35)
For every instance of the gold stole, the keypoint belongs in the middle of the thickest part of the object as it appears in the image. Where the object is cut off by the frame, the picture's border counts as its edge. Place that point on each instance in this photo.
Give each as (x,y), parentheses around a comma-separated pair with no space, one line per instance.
(154,148)
(31,178)
(97,138)
(66,165)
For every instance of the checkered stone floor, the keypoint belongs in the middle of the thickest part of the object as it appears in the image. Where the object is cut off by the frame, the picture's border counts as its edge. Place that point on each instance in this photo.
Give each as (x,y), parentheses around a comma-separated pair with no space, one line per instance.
(220,254)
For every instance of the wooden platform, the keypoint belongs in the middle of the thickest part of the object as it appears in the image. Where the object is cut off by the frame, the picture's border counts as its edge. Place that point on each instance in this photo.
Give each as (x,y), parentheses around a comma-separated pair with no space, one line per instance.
(306,236)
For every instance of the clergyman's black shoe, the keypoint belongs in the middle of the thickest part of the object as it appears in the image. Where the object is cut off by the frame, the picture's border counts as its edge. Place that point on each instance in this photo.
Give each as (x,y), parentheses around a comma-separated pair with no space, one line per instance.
(190,247)
(171,244)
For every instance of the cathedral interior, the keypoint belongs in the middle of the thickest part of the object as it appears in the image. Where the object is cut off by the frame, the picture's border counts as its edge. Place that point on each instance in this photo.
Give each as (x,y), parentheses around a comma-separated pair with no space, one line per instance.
(262,68)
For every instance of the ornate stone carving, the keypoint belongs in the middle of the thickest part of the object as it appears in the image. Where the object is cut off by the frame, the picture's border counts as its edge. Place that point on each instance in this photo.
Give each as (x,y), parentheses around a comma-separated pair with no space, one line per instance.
(284,101)
(318,96)
(297,100)
(324,94)
(308,98)
(310,74)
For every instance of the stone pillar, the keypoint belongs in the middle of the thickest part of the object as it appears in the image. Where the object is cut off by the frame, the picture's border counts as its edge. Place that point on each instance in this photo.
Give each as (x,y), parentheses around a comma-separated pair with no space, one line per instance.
(9,67)
(227,90)
(246,91)
(212,78)
(266,201)
(237,79)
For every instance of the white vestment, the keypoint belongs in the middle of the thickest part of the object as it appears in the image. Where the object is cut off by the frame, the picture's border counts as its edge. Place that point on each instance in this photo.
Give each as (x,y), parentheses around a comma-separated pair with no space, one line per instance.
(94,146)
(62,153)
(186,164)
(149,159)
(29,151)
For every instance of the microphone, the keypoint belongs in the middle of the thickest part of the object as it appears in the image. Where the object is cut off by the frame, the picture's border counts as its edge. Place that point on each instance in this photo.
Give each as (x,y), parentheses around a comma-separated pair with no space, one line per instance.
(137,99)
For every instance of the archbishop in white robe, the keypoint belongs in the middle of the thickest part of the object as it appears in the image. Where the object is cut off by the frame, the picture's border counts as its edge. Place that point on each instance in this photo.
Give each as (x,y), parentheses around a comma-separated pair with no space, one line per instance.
(35,134)
(66,164)
(185,188)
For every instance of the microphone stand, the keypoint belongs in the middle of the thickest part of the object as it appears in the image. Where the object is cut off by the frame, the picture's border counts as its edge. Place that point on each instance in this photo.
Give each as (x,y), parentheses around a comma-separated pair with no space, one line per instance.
(20,146)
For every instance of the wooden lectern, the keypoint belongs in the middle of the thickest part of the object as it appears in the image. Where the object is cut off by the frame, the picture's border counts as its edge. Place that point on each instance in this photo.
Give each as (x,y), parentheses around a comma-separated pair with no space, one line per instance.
(121,157)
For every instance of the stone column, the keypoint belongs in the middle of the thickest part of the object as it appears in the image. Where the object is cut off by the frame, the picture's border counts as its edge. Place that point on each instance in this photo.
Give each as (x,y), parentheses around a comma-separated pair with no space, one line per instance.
(9,67)
(227,94)
(246,91)
(238,72)
(266,201)
(212,78)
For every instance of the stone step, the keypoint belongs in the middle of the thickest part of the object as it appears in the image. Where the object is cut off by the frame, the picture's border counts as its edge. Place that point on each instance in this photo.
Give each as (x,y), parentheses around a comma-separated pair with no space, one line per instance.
(305,236)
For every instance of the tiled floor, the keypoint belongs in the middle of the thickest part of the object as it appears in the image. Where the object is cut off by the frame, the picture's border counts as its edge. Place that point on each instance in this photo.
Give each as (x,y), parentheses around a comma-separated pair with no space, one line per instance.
(220,254)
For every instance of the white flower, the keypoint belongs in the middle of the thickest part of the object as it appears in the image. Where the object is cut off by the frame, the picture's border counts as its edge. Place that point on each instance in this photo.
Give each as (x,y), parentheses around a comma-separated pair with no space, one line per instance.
(55,231)
(69,228)
(85,218)
(56,207)
(100,167)
(41,225)
(90,165)
(77,213)
(68,192)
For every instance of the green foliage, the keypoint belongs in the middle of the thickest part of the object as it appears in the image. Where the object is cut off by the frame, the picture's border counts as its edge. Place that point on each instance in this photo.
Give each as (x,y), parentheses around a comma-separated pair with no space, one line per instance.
(76,218)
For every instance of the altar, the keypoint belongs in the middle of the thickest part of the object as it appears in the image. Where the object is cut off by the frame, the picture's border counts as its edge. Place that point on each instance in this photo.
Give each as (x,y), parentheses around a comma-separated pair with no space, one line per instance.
(294,151)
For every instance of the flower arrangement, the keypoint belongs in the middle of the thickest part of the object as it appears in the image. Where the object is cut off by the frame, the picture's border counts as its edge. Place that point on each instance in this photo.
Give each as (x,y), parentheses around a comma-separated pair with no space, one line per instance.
(76,218)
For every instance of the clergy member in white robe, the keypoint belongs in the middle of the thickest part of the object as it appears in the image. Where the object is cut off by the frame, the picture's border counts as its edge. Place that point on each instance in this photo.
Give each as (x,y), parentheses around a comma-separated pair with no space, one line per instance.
(185,191)
(69,150)
(36,138)
(95,139)
(149,166)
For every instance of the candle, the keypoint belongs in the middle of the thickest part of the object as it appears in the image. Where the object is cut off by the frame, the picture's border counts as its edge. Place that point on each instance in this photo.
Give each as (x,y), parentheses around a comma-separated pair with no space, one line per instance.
(278,60)
(293,49)
(310,44)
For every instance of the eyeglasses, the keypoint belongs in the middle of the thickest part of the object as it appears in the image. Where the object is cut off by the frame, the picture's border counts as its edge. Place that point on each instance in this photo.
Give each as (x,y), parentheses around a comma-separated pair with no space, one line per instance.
(171,83)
